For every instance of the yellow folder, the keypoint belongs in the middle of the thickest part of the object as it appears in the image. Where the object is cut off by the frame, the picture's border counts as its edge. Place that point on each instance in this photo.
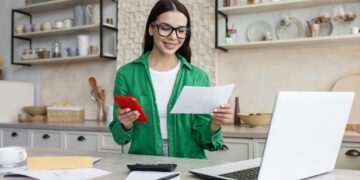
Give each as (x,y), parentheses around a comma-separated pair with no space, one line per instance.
(59,162)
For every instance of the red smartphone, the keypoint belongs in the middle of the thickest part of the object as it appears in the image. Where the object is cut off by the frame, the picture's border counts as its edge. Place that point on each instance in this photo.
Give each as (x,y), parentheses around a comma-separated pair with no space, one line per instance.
(132,103)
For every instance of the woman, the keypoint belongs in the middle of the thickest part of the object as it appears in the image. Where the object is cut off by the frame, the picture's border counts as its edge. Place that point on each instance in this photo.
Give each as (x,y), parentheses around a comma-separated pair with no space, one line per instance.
(156,79)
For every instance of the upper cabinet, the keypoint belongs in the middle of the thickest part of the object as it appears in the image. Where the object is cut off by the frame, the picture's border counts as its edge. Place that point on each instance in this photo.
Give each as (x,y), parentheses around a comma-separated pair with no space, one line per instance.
(64,31)
(244,24)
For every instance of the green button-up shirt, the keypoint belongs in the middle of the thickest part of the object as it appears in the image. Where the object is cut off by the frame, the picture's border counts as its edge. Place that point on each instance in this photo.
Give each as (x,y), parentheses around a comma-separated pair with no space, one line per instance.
(188,134)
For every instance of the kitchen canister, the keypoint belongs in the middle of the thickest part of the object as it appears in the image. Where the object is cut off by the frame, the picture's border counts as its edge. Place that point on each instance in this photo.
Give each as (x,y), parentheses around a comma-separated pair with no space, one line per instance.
(79,15)
(68,22)
(83,44)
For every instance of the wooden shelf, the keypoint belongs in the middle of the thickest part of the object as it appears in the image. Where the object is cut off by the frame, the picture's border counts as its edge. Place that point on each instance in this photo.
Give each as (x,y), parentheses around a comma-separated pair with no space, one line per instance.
(64,60)
(49,6)
(51,33)
(293,42)
(281,5)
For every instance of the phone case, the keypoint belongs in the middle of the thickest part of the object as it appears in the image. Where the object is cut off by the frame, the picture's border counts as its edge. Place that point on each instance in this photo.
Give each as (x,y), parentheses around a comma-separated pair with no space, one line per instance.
(132,103)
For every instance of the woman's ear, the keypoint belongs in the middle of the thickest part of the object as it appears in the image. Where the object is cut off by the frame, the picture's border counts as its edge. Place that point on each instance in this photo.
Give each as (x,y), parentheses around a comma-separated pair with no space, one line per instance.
(150,30)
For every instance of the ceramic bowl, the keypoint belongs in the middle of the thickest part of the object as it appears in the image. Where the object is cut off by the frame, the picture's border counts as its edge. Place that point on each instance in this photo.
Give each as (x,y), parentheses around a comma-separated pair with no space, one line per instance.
(35,110)
(256,119)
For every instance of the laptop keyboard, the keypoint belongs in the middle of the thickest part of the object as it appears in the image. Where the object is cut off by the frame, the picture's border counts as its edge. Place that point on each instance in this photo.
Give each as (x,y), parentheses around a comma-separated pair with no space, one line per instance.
(245,174)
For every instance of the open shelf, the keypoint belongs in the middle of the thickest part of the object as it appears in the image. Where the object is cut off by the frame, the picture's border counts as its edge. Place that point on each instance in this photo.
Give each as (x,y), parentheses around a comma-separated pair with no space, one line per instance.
(49,6)
(64,60)
(293,42)
(281,5)
(51,33)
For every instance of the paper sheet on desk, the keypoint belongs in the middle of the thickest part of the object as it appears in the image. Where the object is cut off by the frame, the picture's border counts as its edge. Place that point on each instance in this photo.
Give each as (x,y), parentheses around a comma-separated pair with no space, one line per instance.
(150,175)
(201,100)
(68,174)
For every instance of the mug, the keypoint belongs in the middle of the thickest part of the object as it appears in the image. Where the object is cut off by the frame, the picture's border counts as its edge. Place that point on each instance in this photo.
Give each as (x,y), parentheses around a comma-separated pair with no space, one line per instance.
(12,156)
(71,52)
(93,14)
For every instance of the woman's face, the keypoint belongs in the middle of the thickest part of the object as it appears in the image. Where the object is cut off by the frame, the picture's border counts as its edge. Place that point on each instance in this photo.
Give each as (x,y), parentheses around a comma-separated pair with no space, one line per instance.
(167,40)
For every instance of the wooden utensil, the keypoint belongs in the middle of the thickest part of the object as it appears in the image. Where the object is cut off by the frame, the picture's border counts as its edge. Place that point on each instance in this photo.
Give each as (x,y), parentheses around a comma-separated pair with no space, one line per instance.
(93,85)
(102,116)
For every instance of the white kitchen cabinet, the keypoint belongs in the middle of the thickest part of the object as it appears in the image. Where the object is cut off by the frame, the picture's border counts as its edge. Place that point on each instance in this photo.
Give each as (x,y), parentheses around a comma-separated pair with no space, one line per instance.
(71,140)
(259,146)
(81,141)
(48,139)
(15,137)
(349,156)
(237,150)
(107,143)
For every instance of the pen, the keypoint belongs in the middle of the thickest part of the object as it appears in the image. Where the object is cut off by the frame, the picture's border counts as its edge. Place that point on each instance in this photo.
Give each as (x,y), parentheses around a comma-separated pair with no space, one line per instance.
(169,177)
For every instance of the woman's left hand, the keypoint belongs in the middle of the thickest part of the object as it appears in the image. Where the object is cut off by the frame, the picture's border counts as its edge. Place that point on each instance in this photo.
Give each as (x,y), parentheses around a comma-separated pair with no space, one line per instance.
(220,116)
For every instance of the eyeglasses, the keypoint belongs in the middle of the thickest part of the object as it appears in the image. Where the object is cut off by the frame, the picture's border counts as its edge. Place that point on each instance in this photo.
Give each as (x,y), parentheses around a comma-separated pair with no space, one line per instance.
(165,30)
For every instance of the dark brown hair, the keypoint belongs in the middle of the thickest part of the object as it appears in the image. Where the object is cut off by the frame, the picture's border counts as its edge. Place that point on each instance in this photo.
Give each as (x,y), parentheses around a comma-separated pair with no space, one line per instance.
(163,6)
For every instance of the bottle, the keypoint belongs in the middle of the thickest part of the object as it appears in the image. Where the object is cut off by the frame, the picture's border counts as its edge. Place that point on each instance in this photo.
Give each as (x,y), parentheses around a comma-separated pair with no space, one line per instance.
(237,121)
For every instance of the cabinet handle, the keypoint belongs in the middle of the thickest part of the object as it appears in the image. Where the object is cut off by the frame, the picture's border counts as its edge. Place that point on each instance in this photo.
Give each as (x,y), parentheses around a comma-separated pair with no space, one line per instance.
(353,153)
(224,147)
(81,138)
(46,136)
(14,134)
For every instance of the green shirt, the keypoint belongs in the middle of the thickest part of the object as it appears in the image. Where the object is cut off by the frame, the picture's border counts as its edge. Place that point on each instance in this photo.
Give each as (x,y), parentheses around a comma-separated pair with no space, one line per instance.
(188,134)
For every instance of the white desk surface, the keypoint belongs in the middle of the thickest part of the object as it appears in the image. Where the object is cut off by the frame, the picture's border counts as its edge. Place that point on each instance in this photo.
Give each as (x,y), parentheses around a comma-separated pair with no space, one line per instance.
(116,163)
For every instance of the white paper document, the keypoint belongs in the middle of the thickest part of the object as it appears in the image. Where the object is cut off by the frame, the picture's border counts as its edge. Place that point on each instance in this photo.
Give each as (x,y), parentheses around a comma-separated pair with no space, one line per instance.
(201,100)
(68,174)
(151,175)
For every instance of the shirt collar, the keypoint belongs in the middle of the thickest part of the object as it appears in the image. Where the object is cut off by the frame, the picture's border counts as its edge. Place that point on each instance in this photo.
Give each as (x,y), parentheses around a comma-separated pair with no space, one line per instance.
(143,59)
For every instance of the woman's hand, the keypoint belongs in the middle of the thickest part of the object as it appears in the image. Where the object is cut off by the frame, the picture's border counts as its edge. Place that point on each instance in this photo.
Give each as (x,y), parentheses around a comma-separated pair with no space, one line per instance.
(127,117)
(222,115)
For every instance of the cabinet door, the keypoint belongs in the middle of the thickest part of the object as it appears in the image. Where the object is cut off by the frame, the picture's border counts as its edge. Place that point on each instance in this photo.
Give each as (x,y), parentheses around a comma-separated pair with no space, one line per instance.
(107,143)
(349,156)
(46,139)
(259,146)
(80,141)
(15,137)
(237,149)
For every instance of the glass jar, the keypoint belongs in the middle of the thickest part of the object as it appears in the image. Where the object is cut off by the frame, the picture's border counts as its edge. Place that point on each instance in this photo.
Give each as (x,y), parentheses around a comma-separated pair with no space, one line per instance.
(56,49)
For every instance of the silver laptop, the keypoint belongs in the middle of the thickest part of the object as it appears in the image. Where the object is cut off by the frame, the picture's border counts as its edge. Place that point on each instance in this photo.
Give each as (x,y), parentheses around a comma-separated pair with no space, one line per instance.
(304,139)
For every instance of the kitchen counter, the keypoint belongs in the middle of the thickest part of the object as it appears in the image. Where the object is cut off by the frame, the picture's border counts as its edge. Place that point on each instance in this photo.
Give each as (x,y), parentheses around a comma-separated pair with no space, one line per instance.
(95,126)
(116,164)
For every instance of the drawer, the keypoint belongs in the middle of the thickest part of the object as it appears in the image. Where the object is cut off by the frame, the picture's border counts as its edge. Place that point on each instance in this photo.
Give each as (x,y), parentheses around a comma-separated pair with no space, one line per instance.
(81,141)
(15,137)
(46,139)
(107,143)
(349,156)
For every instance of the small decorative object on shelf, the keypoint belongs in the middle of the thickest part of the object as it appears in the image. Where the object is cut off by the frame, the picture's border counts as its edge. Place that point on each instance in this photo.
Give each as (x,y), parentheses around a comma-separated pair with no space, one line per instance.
(1,67)
(237,121)
(238,2)
(355,30)
(267,37)
(253,1)
(226,3)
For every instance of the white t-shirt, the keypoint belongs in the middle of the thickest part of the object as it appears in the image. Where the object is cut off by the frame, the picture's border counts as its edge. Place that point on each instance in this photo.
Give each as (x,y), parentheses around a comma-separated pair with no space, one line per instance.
(163,83)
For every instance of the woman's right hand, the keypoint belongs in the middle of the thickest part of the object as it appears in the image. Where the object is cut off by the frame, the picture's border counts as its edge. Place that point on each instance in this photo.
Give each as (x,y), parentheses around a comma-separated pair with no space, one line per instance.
(127,117)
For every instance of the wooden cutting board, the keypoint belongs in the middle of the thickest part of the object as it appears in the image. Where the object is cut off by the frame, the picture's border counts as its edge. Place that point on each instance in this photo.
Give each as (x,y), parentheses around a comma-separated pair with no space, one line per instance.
(350,83)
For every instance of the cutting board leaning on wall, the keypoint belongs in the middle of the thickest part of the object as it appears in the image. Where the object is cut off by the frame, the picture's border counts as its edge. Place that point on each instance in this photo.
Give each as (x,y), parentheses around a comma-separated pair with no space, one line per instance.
(351,83)
(13,97)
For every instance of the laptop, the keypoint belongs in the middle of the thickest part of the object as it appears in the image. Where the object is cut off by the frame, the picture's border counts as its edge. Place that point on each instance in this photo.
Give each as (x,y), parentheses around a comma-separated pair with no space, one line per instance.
(304,139)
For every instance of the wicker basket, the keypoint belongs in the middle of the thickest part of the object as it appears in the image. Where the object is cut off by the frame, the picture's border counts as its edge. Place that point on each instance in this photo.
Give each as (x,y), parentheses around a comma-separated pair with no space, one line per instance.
(65,114)
(256,119)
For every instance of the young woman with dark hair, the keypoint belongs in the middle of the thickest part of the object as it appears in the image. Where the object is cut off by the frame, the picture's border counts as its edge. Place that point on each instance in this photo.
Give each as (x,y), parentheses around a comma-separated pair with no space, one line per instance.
(156,79)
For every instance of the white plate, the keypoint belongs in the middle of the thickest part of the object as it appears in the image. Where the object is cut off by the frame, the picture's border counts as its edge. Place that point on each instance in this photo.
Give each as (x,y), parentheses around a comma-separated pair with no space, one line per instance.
(257,30)
(294,30)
